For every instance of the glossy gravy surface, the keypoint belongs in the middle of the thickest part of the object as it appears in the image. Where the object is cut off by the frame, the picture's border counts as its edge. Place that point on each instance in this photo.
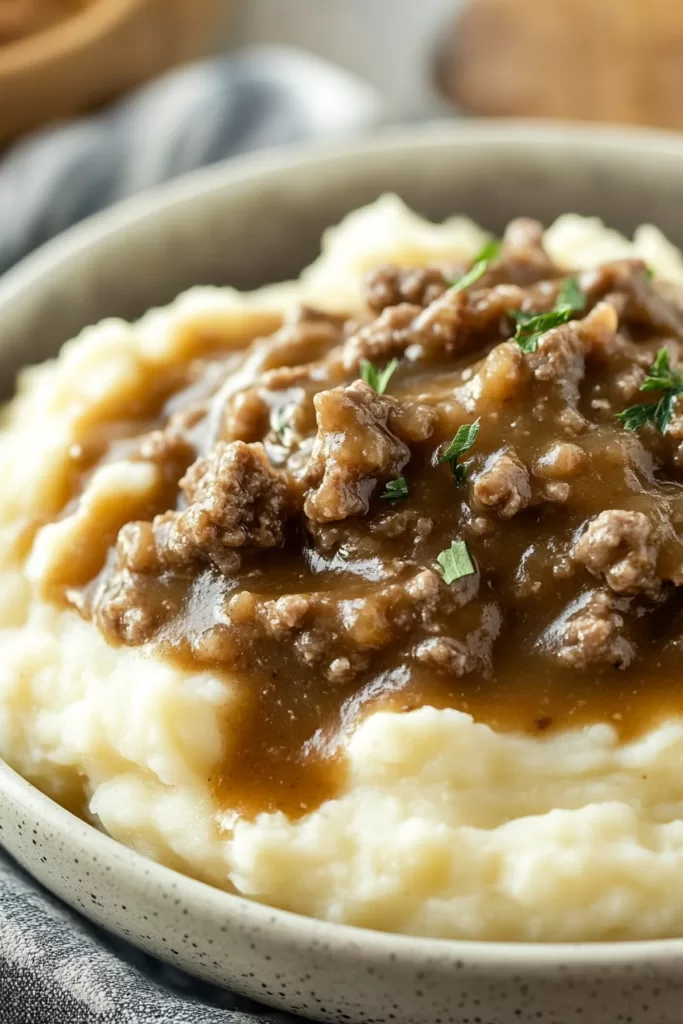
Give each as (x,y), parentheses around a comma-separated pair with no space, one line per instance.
(285,566)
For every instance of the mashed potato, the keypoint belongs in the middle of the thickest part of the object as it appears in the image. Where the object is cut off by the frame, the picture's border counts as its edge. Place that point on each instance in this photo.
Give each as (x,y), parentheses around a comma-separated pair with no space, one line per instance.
(445,827)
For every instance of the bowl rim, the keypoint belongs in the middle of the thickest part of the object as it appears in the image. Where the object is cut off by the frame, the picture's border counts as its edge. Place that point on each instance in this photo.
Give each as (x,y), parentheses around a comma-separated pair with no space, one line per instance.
(342,940)
(264,164)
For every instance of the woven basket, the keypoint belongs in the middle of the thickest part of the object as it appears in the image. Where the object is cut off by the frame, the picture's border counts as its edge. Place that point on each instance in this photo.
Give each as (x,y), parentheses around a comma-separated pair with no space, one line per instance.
(91,57)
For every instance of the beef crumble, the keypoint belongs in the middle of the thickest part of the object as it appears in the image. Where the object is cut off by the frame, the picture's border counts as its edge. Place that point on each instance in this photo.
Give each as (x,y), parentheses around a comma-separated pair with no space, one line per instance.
(301,555)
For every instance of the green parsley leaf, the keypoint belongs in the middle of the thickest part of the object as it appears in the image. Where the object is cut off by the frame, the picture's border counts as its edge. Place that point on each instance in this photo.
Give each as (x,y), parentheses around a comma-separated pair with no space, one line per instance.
(461,474)
(649,273)
(456,562)
(531,328)
(571,295)
(396,490)
(660,378)
(637,416)
(461,443)
(281,424)
(376,378)
(664,410)
(489,251)
(479,266)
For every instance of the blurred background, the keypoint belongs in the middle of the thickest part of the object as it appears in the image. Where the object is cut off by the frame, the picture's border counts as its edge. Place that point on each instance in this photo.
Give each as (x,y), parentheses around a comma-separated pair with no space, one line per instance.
(102,98)
(605,60)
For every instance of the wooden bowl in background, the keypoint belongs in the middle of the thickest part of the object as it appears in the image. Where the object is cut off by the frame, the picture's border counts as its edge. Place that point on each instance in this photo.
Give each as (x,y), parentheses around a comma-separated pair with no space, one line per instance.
(96,54)
(617,61)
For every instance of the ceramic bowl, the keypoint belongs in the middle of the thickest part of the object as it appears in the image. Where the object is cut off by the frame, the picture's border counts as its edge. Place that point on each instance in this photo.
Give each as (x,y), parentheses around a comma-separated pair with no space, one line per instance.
(235,224)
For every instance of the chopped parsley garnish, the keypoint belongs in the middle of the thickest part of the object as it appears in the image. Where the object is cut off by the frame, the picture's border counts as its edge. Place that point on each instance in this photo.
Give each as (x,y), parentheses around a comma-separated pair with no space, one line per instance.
(636,416)
(531,328)
(660,378)
(649,273)
(396,490)
(571,295)
(376,378)
(281,424)
(479,266)
(456,562)
(461,443)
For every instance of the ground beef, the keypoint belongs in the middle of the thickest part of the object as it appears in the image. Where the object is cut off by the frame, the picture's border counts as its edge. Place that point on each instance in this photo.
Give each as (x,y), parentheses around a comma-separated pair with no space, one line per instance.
(387,336)
(168,448)
(594,635)
(444,654)
(339,637)
(377,620)
(674,432)
(641,303)
(387,285)
(234,494)
(622,547)
(562,461)
(306,335)
(523,260)
(455,322)
(400,522)
(286,614)
(291,556)
(354,451)
(441,324)
(246,417)
(122,609)
(503,485)
(450,324)
(140,551)
(412,422)
(234,500)
(502,378)
(560,358)
(352,542)
(598,331)
(487,310)
(627,385)
(282,378)
(426,590)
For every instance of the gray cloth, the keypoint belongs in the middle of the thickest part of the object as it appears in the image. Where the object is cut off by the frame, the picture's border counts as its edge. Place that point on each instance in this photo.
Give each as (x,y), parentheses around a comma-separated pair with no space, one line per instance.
(54,967)
(188,118)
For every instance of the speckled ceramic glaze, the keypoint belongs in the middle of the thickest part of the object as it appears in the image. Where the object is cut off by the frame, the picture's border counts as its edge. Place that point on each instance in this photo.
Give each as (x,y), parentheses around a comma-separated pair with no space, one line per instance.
(260,220)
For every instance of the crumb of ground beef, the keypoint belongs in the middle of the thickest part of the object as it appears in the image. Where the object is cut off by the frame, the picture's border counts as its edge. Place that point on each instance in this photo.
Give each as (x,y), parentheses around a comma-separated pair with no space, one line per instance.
(354,450)
(388,285)
(593,635)
(385,337)
(235,499)
(503,485)
(622,547)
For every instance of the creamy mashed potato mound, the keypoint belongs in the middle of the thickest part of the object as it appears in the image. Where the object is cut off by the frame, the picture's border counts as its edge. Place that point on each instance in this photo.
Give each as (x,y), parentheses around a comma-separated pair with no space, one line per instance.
(444,827)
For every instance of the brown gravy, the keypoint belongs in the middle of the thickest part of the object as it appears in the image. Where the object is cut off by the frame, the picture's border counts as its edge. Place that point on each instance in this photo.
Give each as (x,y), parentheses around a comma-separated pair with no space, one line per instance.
(286,568)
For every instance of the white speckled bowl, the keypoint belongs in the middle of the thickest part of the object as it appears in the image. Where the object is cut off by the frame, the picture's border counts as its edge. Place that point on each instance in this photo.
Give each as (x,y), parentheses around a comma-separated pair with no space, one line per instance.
(259,220)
